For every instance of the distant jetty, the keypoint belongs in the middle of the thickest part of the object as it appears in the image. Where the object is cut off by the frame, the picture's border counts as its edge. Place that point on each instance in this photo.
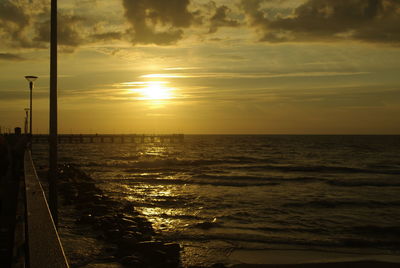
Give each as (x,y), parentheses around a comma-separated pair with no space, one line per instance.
(112,138)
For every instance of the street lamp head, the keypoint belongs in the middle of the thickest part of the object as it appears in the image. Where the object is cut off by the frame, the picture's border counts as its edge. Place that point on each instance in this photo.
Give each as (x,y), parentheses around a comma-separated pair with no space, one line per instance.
(31,78)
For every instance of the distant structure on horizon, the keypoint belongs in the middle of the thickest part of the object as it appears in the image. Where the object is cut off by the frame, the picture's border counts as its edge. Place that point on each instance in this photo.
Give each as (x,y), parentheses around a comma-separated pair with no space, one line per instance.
(111,138)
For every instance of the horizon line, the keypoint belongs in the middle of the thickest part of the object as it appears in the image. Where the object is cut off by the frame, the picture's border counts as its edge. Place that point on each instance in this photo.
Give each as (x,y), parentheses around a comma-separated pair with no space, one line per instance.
(230,134)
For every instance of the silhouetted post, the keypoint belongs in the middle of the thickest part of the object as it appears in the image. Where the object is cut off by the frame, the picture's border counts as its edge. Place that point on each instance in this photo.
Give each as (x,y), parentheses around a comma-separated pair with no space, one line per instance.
(30,79)
(26,121)
(53,115)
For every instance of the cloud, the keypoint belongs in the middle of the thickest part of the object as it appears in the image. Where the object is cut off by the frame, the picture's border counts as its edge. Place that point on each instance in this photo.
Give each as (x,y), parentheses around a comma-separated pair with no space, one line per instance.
(107,36)
(220,19)
(11,57)
(11,15)
(26,27)
(253,75)
(69,32)
(13,23)
(157,22)
(327,20)
(26,24)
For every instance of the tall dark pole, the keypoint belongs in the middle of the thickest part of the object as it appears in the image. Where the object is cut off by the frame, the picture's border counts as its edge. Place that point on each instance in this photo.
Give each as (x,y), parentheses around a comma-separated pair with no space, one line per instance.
(53,114)
(31,79)
(26,121)
(30,105)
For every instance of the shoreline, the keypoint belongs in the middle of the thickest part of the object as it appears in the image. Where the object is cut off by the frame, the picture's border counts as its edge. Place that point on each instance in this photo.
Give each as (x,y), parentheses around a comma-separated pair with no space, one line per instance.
(355,264)
(309,258)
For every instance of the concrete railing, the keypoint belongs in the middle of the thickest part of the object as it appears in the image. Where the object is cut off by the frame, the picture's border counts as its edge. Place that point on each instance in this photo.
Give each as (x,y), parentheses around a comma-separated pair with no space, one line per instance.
(43,243)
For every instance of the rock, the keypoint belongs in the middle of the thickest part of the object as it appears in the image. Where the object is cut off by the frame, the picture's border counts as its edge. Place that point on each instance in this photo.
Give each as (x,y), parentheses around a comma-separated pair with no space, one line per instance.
(155,257)
(133,229)
(134,234)
(127,221)
(87,218)
(117,222)
(146,245)
(128,241)
(113,234)
(99,209)
(218,265)
(172,248)
(158,250)
(206,225)
(133,261)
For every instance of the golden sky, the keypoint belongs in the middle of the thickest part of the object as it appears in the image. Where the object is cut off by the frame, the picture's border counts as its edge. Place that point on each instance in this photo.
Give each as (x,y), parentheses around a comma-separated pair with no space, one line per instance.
(206,67)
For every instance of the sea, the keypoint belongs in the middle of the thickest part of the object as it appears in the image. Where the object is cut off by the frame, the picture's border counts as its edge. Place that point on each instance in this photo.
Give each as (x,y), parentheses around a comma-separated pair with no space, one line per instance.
(225,197)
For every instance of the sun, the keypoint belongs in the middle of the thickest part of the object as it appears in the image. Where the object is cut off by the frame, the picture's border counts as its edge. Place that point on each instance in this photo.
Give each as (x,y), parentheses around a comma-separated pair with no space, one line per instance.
(155,90)
(156,93)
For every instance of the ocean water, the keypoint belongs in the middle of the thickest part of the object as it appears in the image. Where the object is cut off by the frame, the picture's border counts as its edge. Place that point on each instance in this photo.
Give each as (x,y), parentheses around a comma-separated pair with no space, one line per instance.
(220,194)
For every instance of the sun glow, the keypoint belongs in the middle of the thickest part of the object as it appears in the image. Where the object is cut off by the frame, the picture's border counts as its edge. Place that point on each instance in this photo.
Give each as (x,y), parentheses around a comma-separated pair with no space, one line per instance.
(156,93)
(155,90)
(163,76)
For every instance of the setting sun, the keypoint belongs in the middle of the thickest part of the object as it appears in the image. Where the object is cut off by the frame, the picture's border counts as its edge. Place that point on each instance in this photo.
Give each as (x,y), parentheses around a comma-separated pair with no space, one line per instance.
(149,90)
(155,90)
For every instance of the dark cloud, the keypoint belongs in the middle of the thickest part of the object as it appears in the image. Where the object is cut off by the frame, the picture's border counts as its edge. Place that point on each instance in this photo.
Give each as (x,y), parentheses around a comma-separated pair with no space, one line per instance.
(325,20)
(69,32)
(157,21)
(22,27)
(11,57)
(10,12)
(13,23)
(107,36)
(220,19)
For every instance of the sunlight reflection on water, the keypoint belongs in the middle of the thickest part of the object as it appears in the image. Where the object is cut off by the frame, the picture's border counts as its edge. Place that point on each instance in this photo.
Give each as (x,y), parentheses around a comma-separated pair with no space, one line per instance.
(163,217)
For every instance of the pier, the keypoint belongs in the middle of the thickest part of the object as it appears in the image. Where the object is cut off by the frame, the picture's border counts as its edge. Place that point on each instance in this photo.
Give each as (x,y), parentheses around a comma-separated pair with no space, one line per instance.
(28,235)
(111,138)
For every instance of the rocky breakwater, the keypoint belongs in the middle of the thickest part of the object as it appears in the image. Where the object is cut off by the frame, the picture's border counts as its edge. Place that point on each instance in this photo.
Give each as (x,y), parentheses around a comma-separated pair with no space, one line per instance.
(116,222)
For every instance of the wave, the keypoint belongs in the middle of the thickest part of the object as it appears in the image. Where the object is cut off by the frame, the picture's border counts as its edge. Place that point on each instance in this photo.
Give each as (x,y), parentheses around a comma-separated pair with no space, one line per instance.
(288,230)
(216,180)
(125,158)
(342,203)
(359,183)
(374,230)
(131,164)
(182,181)
(184,217)
(318,169)
(167,176)
(315,241)
(156,163)
(268,180)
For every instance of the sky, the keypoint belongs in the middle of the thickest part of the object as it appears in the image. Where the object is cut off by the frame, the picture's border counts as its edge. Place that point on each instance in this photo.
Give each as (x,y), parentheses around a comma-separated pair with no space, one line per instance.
(205,67)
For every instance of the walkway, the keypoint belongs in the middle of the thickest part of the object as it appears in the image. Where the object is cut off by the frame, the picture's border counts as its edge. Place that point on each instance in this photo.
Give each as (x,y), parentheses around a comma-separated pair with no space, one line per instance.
(28,236)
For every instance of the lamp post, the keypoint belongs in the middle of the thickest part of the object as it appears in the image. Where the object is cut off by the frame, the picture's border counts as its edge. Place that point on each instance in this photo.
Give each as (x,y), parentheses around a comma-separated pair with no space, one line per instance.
(30,79)
(26,120)
(53,153)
